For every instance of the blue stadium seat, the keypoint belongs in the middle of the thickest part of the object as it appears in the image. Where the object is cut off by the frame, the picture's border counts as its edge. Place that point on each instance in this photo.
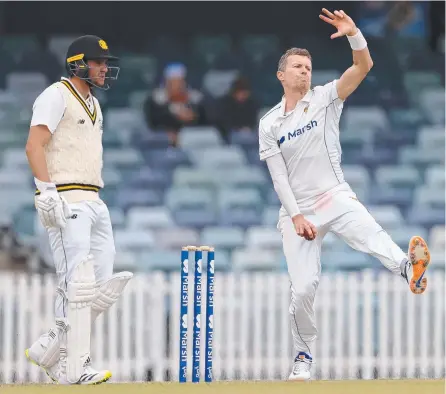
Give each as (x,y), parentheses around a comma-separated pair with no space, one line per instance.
(416,81)
(111,176)
(127,240)
(125,261)
(174,238)
(188,198)
(150,140)
(402,235)
(23,225)
(252,154)
(421,158)
(248,140)
(358,118)
(218,82)
(159,259)
(10,178)
(109,194)
(352,140)
(405,118)
(432,102)
(166,159)
(397,176)
(437,237)
(218,157)
(270,216)
(387,195)
(272,199)
(26,82)
(437,259)
(13,199)
(195,177)
(242,217)
(388,216)
(10,137)
(223,237)
(435,176)
(117,217)
(123,158)
(358,178)
(243,177)
(263,237)
(429,196)
(431,136)
(149,217)
(16,158)
(199,137)
(240,198)
(123,119)
(255,259)
(195,217)
(427,217)
(349,260)
(127,198)
(111,140)
(145,177)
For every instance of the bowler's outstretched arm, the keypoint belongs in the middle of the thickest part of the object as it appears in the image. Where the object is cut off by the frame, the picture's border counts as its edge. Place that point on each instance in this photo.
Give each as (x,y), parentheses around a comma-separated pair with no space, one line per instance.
(362,61)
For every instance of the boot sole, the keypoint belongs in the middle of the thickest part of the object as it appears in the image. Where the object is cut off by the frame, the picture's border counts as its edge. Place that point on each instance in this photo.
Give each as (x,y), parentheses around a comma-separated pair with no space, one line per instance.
(420,258)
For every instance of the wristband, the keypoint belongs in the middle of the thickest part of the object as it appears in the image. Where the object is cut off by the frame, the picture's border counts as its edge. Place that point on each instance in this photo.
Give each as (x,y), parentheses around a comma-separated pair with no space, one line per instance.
(357,42)
(44,186)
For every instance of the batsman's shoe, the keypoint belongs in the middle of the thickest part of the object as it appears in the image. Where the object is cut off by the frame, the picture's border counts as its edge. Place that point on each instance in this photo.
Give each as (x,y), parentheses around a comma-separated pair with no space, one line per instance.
(301,367)
(52,372)
(419,259)
(89,376)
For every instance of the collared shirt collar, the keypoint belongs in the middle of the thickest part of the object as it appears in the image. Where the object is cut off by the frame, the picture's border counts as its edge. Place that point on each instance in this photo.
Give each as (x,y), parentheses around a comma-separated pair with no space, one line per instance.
(88,99)
(305,99)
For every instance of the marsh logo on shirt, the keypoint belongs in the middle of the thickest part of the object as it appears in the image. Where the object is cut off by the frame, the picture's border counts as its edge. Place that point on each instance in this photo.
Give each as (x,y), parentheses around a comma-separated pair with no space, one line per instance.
(297,132)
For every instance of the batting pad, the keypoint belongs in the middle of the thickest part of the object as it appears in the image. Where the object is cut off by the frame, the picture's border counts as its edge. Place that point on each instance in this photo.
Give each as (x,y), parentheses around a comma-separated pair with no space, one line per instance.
(80,294)
(109,292)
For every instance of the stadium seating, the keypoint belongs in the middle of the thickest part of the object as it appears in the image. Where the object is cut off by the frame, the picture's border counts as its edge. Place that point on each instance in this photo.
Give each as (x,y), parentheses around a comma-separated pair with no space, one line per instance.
(208,191)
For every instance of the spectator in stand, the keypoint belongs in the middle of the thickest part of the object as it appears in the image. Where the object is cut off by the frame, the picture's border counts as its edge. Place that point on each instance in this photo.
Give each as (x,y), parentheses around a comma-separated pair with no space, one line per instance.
(174,105)
(237,111)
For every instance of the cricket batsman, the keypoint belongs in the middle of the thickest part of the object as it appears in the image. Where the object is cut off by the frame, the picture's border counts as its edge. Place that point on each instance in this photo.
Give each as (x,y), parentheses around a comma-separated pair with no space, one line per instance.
(299,139)
(64,151)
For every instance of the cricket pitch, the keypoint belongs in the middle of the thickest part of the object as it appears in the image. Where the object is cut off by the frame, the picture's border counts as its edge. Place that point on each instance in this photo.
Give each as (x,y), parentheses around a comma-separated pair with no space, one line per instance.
(315,387)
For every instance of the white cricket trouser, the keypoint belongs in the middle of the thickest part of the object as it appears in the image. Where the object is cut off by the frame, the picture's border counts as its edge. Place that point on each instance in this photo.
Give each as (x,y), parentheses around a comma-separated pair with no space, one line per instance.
(345,216)
(89,231)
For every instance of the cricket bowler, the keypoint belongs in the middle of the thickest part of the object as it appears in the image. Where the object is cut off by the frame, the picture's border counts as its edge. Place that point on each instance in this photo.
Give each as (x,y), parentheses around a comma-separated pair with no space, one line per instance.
(299,140)
(64,151)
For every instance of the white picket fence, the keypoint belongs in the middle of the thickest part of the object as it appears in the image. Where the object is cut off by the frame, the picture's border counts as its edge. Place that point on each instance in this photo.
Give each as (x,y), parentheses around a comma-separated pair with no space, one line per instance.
(370,326)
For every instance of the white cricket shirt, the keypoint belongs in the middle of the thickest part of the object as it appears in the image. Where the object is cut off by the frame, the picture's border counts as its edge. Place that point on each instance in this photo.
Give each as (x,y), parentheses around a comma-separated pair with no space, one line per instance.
(50,105)
(308,140)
